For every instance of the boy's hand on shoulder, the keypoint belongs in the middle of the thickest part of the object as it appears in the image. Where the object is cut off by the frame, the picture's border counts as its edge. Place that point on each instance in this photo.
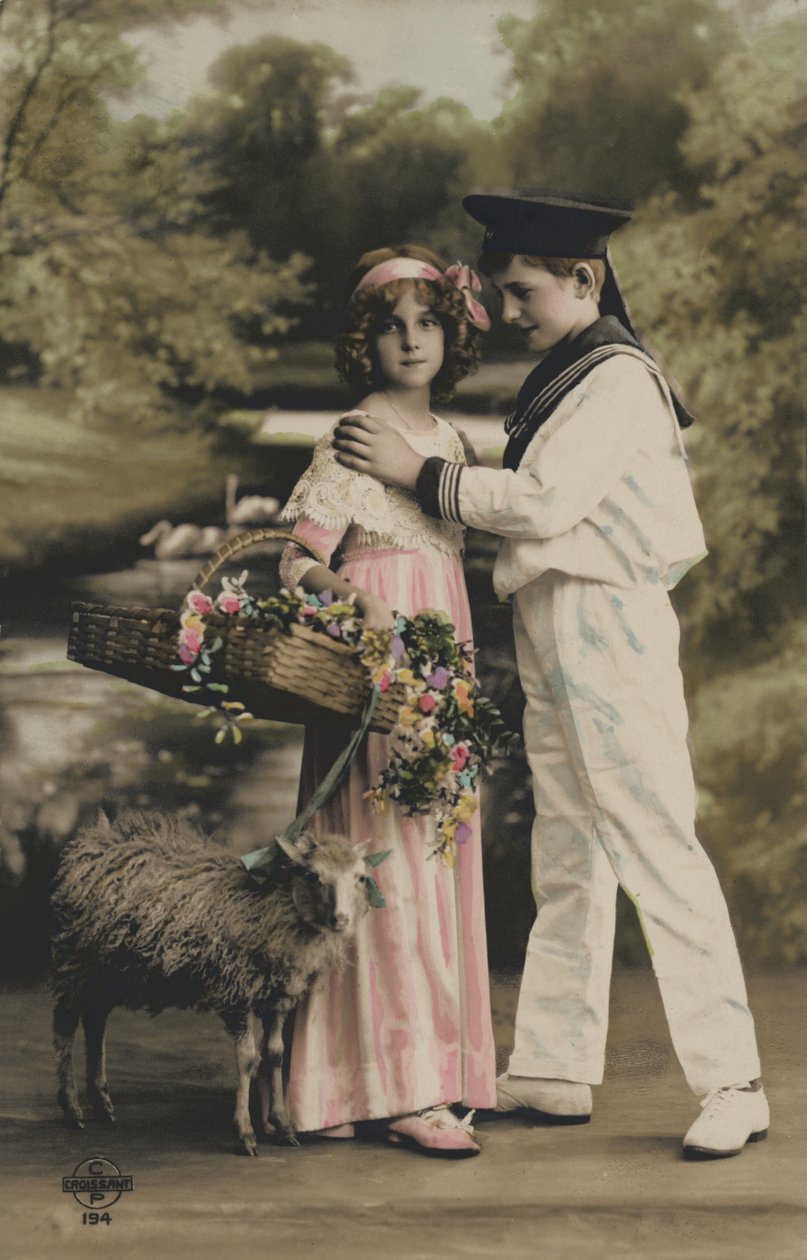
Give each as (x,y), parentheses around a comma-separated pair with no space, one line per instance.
(369,445)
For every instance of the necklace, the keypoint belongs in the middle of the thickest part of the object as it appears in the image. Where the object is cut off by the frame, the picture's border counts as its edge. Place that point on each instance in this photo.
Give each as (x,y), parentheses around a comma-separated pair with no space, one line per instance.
(403,419)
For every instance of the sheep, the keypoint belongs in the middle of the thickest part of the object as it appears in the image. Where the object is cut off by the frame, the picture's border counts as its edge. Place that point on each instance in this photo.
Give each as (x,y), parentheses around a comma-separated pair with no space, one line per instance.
(150,913)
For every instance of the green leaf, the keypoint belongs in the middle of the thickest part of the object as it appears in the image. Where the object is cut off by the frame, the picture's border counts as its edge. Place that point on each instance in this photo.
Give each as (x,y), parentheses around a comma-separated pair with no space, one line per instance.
(374,894)
(375,859)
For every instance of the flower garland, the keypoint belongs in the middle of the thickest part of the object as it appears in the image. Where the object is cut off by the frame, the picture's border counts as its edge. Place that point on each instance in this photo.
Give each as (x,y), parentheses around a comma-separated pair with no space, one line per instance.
(446,732)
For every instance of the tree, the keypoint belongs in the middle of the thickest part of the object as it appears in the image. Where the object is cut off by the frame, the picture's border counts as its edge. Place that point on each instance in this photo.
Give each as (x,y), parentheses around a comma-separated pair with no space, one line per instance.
(302,164)
(717,290)
(598,110)
(108,288)
(260,134)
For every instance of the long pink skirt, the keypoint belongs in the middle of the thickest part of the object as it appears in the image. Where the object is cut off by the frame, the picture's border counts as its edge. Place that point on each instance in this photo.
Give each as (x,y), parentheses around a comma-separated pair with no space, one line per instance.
(407,1023)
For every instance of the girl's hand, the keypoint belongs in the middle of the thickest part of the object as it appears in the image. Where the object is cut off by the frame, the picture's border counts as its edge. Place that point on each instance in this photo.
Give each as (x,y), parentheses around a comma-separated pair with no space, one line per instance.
(371,446)
(376,615)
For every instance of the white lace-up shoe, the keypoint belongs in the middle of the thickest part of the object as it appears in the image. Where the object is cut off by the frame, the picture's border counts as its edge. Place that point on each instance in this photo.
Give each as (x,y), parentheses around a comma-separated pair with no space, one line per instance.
(555,1102)
(729,1118)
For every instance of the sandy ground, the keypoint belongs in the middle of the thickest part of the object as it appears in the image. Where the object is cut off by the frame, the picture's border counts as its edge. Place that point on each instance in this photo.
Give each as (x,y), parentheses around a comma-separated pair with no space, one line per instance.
(612,1190)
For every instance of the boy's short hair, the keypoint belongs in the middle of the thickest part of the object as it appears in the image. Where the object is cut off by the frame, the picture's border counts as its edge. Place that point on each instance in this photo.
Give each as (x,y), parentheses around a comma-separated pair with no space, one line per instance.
(354,359)
(494,261)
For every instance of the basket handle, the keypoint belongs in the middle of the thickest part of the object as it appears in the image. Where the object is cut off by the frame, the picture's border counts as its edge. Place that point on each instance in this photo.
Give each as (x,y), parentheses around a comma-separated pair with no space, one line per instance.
(248,539)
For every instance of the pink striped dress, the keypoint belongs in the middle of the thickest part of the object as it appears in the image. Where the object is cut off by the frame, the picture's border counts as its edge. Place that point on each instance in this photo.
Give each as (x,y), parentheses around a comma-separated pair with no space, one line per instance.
(407,1024)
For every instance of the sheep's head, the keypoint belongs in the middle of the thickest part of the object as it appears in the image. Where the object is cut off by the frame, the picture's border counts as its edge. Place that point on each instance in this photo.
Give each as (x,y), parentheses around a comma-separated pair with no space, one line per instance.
(328,884)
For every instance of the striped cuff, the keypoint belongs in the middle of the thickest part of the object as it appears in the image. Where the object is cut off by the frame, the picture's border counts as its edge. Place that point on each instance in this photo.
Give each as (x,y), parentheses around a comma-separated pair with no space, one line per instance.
(438,489)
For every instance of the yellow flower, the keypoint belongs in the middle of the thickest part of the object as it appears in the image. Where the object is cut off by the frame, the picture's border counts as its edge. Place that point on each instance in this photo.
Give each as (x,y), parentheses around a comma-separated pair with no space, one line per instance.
(407,716)
(405,676)
(192,621)
(377,799)
(427,738)
(466,808)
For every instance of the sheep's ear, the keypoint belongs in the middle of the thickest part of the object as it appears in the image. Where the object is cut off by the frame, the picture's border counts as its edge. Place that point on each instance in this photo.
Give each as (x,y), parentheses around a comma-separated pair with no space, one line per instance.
(298,853)
(104,823)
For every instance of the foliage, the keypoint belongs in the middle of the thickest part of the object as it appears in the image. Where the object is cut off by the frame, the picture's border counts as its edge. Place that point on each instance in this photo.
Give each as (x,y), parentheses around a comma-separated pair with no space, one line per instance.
(108,290)
(598,106)
(289,155)
(748,730)
(717,290)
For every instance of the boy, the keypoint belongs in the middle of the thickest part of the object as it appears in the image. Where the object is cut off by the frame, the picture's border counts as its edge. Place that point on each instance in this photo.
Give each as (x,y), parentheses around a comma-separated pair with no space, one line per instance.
(598,522)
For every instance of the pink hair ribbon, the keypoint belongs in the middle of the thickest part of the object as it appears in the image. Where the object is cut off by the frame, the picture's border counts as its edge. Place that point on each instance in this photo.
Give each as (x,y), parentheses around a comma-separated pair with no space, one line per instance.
(468,283)
(459,274)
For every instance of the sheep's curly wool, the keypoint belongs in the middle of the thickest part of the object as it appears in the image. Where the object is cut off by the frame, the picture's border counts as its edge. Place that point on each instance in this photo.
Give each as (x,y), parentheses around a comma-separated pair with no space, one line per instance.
(150,913)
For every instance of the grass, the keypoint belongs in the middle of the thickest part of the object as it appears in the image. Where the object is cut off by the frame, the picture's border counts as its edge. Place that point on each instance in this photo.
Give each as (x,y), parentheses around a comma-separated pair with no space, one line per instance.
(69,490)
(64,487)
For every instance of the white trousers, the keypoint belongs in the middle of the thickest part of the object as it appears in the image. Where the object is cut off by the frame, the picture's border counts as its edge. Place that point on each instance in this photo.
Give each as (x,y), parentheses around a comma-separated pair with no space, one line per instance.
(605,730)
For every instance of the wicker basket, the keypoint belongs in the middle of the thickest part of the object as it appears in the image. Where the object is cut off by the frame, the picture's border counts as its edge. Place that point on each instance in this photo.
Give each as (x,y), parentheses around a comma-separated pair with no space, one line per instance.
(291,677)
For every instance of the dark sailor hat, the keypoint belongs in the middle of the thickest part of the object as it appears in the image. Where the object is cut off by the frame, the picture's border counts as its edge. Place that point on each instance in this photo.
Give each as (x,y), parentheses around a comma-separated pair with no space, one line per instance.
(544,225)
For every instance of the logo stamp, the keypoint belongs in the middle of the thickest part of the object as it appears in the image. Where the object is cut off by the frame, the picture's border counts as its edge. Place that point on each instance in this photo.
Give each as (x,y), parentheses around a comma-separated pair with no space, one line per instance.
(97,1183)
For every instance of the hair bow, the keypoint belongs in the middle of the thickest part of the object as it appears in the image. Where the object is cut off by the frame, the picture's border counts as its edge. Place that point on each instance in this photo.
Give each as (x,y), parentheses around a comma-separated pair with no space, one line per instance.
(468,283)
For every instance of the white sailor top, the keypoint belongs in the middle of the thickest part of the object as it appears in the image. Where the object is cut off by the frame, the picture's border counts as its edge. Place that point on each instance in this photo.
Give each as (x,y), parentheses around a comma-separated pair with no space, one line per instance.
(602,491)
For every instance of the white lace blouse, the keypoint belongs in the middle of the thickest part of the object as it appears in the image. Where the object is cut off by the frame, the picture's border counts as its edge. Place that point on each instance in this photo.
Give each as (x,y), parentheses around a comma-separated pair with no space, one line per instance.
(364,512)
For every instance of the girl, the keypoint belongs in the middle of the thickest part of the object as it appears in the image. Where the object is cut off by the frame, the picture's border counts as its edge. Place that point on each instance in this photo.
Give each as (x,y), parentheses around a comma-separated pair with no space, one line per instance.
(406,1030)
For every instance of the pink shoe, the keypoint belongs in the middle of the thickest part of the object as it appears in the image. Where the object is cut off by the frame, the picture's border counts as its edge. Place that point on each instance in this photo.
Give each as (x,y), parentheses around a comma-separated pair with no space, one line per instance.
(435,1131)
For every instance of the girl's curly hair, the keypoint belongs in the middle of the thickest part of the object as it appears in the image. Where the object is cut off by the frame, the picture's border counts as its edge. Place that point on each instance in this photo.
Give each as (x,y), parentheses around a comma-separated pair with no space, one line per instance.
(354,358)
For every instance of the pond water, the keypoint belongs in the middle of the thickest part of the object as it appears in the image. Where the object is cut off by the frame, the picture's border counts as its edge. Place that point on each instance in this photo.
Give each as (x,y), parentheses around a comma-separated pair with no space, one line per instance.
(72,737)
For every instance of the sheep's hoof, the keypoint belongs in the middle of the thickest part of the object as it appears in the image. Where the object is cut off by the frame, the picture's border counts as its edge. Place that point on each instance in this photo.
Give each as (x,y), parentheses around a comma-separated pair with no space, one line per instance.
(247,1144)
(287,1137)
(74,1122)
(102,1108)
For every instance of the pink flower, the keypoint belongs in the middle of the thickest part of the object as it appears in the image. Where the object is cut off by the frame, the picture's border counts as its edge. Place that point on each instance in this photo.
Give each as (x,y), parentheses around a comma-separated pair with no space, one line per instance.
(190,639)
(459,756)
(384,681)
(463,833)
(199,603)
(333,630)
(229,604)
(187,655)
(308,610)
(426,703)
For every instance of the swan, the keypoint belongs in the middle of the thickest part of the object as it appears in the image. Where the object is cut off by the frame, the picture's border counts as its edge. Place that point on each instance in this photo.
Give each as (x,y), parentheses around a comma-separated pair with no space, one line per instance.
(174,542)
(252,509)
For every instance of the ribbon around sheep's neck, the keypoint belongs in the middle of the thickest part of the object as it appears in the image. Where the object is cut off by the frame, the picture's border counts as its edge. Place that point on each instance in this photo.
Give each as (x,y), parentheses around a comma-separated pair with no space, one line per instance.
(260,862)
